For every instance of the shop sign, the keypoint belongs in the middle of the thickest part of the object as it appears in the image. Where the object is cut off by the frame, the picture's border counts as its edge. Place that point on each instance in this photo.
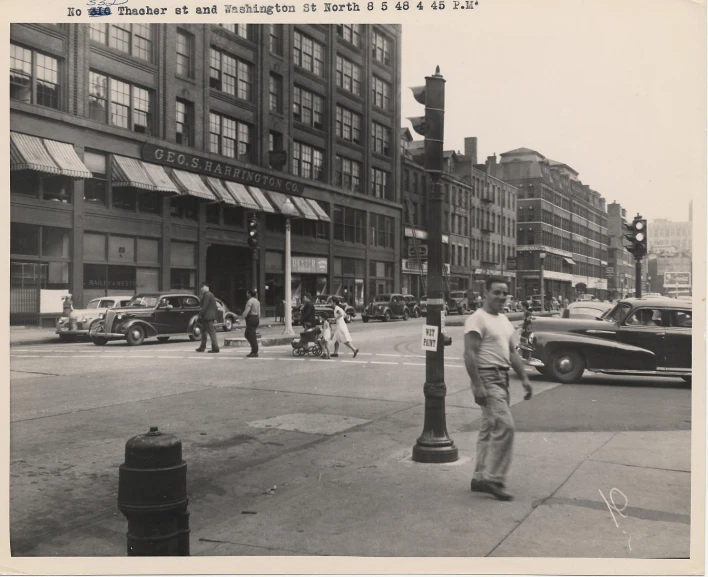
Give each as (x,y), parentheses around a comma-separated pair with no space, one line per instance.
(413,265)
(307,264)
(186,161)
(420,250)
(677,279)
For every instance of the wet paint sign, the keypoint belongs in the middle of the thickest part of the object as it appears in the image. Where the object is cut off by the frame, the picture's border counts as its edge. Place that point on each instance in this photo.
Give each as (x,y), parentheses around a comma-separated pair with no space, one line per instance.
(430,338)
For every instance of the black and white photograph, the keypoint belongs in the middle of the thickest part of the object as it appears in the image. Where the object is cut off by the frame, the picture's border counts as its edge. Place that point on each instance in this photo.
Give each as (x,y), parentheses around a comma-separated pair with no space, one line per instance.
(370,281)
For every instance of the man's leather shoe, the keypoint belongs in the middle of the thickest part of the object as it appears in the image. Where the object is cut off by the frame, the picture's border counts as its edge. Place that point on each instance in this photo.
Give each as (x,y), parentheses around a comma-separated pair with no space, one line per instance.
(213,351)
(478,486)
(492,488)
(252,355)
(200,350)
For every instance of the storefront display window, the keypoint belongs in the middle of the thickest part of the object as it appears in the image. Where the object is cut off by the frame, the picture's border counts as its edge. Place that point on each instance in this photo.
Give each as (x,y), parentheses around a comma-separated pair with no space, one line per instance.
(182,279)
(94,246)
(55,242)
(49,187)
(125,198)
(24,239)
(149,202)
(183,254)
(348,280)
(184,207)
(101,280)
(148,251)
(233,216)
(380,278)
(212,213)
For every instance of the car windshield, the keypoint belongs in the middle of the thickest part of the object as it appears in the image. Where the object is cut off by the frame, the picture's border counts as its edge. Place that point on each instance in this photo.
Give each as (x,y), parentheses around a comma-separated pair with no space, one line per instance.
(93,304)
(142,301)
(382,298)
(321,299)
(457,295)
(618,313)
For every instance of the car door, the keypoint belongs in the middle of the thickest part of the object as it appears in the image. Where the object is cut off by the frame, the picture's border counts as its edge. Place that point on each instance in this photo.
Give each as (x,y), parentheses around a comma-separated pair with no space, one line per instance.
(191,306)
(679,339)
(220,312)
(168,314)
(650,337)
(397,305)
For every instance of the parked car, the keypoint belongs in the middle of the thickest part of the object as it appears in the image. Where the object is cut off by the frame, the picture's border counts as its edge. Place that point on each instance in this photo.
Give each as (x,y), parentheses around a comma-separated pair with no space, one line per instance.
(647,337)
(458,302)
(78,322)
(324,307)
(587,310)
(512,305)
(413,306)
(534,303)
(386,307)
(230,317)
(160,315)
(585,297)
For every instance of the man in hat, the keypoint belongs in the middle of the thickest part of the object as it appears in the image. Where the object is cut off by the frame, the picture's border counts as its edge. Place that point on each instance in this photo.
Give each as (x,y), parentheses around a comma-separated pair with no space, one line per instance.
(207,316)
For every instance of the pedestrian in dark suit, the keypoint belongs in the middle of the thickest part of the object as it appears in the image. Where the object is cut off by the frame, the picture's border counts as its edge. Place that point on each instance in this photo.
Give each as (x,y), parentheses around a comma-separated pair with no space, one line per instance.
(207,316)
(252,315)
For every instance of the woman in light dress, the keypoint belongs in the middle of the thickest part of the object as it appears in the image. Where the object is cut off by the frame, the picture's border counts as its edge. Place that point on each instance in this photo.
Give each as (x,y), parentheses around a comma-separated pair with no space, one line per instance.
(341,332)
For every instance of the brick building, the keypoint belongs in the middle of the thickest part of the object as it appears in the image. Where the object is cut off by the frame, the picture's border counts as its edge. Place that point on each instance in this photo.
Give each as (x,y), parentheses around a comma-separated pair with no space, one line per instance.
(138,151)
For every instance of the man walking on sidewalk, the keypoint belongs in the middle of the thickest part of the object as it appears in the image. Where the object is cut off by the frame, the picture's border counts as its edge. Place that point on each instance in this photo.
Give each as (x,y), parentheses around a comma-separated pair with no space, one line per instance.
(207,316)
(489,353)
(252,316)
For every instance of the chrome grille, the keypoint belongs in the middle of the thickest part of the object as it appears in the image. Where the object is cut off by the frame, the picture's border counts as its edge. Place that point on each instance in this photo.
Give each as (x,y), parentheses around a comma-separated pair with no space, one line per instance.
(108,321)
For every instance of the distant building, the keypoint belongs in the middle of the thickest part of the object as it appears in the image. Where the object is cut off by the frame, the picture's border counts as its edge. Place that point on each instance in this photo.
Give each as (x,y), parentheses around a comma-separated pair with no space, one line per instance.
(665,234)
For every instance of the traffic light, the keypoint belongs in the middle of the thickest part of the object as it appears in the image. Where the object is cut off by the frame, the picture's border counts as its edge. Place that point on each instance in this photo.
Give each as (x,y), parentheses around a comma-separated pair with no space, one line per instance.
(432,125)
(253,231)
(636,233)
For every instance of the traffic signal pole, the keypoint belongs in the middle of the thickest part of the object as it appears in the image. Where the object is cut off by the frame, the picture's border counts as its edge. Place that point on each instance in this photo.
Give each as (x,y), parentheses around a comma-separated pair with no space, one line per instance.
(638,276)
(434,445)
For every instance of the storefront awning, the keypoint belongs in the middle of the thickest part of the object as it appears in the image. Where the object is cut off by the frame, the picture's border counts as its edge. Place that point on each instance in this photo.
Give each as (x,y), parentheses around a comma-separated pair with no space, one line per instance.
(130,172)
(304,207)
(66,158)
(159,178)
(241,196)
(260,198)
(218,189)
(190,183)
(569,261)
(319,211)
(28,153)
(278,199)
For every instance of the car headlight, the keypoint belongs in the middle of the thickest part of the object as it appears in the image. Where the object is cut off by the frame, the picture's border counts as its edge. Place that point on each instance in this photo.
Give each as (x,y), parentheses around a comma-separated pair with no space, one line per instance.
(119,316)
(532,338)
(83,320)
(102,316)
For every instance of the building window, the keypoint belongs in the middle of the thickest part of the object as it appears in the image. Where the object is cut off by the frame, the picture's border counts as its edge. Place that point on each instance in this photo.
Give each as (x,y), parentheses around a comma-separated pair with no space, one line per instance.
(349,225)
(348,174)
(275,89)
(381,230)
(229,137)
(348,125)
(40,185)
(380,138)
(380,184)
(184,207)
(276,39)
(231,75)
(381,93)
(130,106)
(133,39)
(96,188)
(307,161)
(350,32)
(348,76)
(185,54)
(381,48)
(242,30)
(34,77)
(308,53)
(184,122)
(234,216)
(308,108)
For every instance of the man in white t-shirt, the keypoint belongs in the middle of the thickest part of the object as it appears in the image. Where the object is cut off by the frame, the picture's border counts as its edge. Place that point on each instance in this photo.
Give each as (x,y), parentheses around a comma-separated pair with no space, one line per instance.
(489,354)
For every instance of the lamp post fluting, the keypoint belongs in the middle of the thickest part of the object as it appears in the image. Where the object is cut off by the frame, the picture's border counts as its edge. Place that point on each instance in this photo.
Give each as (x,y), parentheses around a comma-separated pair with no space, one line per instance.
(288,211)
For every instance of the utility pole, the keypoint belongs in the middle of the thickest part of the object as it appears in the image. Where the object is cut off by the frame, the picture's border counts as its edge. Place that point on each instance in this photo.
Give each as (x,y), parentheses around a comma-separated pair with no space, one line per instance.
(636,233)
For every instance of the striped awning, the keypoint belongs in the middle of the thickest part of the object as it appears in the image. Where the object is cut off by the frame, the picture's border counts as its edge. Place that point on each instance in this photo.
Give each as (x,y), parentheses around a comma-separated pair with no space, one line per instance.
(66,158)
(130,172)
(304,207)
(318,210)
(159,178)
(261,199)
(190,183)
(278,199)
(28,153)
(241,195)
(218,189)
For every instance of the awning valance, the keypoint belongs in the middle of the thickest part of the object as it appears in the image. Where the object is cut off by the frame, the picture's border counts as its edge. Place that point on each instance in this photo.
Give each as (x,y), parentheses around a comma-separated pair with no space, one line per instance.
(28,153)
(318,210)
(278,199)
(241,195)
(260,198)
(218,189)
(159,178)
(570,261)
(190,183)
(304,207)
(66,158)
(130,172)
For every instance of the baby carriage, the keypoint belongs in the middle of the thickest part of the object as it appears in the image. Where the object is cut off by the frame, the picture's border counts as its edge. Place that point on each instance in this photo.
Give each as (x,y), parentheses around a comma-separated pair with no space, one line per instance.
(308,343)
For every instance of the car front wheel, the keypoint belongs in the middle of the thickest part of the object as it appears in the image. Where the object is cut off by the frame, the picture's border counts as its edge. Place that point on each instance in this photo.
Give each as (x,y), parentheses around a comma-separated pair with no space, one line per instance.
(196,333)
(348,318)
(405,315)
(387,316)
(566,366)
(228,325)
(364,319)
(135,336)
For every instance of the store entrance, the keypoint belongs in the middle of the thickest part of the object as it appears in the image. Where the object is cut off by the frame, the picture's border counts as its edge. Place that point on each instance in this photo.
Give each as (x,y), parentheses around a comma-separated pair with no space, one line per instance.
(228,274)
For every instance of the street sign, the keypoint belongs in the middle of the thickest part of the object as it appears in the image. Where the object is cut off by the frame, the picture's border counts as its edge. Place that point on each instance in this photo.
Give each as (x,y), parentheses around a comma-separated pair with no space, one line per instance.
(430,338)
(677,279)
(610,271)
(511,263)
(422,251)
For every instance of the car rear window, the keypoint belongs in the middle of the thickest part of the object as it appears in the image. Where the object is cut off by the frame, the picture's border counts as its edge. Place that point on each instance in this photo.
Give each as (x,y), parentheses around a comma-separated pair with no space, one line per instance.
(191,302)
(383,297)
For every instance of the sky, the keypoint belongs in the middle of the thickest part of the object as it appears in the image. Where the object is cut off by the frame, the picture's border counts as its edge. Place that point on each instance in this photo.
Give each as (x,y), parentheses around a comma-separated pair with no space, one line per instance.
(614,89)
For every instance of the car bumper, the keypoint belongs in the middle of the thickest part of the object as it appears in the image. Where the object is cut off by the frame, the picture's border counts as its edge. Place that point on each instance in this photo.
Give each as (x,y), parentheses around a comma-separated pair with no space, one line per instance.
(72,332)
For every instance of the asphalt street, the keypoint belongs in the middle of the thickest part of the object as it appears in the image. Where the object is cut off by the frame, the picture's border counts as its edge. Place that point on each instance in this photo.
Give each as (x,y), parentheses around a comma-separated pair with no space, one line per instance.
(248,425)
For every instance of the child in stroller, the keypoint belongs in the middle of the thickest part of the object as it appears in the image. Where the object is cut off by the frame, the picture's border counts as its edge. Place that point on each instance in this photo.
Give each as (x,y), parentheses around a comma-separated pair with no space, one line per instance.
(308,342)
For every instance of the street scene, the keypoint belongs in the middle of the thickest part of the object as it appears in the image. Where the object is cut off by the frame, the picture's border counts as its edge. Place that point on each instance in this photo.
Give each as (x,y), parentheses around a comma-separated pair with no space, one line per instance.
(319,289)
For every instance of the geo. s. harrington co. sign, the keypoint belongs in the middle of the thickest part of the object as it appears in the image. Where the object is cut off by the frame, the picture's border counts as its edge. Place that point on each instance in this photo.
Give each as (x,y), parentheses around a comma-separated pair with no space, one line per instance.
(176,159)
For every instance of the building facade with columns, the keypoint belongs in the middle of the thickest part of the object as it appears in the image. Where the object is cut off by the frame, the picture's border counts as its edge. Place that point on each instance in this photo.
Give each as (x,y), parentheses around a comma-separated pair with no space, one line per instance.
(139,150)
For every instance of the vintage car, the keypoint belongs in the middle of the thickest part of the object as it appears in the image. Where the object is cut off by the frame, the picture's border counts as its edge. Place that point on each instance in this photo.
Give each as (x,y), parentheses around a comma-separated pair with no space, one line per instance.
(78,322)
(647,337)
(324,307)
(413,306)
(386,307)
(160,315)
(586,310)
(230,317)
(459,303)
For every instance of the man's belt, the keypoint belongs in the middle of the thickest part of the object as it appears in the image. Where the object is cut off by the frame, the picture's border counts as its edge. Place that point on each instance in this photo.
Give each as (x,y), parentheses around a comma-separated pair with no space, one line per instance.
(498,368)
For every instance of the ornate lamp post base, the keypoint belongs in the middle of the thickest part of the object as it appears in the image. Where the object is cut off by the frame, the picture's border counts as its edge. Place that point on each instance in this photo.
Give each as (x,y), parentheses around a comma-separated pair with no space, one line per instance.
(435,445)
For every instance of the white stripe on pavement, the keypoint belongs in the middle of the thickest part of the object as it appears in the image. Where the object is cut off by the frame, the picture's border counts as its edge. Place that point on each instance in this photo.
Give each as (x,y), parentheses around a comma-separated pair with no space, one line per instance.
(381,363)
(415,364)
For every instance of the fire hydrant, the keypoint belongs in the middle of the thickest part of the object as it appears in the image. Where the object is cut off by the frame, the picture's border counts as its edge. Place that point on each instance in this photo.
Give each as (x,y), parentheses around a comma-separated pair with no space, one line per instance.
(152,494)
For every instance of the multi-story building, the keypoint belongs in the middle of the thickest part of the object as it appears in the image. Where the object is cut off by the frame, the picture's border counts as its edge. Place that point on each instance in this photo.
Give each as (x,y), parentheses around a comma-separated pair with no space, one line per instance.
(666,234)
(620,262)
(561,221)
(138,151)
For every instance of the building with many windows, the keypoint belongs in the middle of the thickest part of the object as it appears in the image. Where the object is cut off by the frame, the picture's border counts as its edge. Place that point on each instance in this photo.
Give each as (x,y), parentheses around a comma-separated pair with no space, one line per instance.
(138,151)
(560,220)
(665,234)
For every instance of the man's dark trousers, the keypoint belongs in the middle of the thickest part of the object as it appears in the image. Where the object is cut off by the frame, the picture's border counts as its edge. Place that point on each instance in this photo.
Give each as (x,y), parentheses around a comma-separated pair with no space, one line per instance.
(208,327)
(252,322)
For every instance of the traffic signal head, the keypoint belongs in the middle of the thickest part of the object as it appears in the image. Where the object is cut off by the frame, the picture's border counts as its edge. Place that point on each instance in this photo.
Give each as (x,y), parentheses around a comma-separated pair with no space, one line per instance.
(253,231)
(432,125)
(636,233)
